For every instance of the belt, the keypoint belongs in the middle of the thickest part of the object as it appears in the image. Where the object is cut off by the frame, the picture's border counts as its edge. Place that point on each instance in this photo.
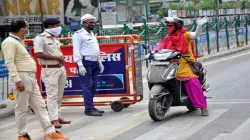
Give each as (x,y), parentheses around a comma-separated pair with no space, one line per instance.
(52,66)
(90,58)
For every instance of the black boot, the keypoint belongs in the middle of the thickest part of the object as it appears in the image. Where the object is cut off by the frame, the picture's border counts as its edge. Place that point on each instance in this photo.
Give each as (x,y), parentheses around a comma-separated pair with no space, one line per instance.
(92,112)
(100,111)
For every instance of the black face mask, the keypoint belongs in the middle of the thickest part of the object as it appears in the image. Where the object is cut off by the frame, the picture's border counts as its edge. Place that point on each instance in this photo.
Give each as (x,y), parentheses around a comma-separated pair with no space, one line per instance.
(91,27)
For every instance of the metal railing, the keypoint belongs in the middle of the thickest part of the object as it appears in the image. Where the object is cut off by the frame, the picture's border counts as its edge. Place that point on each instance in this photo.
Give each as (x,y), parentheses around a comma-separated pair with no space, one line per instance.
(5,88)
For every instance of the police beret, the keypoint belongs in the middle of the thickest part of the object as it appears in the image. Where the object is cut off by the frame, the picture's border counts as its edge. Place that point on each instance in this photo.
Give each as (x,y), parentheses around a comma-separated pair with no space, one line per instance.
(51,21)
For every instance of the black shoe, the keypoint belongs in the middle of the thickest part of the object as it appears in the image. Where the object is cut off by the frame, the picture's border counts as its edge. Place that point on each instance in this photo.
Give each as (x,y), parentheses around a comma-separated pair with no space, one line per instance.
(92,112)
(100,111)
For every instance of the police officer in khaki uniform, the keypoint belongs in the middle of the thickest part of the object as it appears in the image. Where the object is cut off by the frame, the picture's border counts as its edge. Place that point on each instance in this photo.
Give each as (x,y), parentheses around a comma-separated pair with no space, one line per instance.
(22,72)
(50,57)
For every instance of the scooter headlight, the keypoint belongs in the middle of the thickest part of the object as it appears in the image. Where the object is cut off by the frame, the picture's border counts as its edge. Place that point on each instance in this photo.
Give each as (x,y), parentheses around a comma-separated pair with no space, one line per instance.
(171,74)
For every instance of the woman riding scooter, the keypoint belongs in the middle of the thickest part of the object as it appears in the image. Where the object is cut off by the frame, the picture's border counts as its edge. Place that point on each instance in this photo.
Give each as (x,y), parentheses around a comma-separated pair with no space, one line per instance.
(178,39)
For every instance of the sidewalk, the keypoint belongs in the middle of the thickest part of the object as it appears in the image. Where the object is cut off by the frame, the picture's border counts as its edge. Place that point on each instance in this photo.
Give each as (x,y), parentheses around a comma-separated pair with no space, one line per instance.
(9,110)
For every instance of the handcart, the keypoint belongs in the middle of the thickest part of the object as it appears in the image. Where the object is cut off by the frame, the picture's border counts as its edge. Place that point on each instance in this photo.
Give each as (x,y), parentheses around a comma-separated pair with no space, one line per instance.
(116,86)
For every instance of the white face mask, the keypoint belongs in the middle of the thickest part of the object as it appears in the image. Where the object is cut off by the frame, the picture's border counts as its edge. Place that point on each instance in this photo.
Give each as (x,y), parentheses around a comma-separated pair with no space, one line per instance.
(54,31)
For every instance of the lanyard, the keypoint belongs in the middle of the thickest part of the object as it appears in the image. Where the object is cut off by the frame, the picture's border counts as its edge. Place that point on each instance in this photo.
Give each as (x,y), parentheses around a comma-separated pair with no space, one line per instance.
(27,48)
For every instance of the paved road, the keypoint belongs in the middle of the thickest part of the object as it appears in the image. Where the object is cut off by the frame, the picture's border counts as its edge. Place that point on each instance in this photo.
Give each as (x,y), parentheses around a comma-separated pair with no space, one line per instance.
(229,110)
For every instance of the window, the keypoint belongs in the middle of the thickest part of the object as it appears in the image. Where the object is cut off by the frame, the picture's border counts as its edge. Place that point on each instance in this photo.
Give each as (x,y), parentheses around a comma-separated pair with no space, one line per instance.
(139,14)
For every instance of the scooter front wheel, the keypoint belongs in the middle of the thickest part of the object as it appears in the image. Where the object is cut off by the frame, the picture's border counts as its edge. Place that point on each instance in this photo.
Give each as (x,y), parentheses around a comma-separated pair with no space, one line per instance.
(157,108)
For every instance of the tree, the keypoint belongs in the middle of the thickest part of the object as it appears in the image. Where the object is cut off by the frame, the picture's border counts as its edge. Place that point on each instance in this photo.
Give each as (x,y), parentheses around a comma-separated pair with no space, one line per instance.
(190,6)
(162,12)
(206,5)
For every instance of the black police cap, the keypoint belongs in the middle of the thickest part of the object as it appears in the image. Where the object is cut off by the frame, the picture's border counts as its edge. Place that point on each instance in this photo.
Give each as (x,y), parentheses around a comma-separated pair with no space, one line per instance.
(51,21)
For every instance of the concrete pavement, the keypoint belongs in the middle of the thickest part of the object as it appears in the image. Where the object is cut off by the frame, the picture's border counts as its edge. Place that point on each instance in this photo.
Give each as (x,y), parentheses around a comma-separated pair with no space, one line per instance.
(241,133)
(229,113)
(9,110)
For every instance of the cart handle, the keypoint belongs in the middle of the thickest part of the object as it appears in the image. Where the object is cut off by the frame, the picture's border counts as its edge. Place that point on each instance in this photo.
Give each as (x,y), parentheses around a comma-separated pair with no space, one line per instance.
(130,37)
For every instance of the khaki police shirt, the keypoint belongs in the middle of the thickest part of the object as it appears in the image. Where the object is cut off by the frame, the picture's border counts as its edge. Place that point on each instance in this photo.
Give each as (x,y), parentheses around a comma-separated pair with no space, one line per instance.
(49,44)
(17,58)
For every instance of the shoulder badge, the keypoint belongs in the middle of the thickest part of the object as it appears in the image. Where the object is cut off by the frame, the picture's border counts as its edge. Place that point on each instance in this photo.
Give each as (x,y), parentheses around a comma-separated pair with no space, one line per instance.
(42,34)
(79,31)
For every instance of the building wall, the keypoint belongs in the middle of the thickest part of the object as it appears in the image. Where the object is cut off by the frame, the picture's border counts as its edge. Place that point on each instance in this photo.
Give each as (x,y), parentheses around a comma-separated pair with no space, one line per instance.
(154,7)
(139,10)
(69,12)
(35,11)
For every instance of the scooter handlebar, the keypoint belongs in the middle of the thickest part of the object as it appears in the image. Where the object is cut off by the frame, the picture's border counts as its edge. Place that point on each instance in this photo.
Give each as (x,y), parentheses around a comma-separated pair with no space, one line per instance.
(185,55)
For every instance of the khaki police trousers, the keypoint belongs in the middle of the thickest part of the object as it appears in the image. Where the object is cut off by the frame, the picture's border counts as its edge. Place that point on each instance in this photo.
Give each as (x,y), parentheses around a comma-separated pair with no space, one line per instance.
(54,80)
(32,97)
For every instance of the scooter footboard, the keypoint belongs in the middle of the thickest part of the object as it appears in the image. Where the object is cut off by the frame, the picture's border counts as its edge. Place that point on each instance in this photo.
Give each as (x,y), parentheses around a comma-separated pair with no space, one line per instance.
(175,88)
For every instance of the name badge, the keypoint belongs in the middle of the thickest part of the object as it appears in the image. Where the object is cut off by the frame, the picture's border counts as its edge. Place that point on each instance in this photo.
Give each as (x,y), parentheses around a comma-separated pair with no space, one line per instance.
(50,44)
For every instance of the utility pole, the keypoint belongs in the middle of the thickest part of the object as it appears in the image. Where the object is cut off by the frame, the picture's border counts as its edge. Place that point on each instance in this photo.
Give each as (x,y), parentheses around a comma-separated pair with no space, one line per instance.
(216,9)
(217,23)
(41,10)
(130,14)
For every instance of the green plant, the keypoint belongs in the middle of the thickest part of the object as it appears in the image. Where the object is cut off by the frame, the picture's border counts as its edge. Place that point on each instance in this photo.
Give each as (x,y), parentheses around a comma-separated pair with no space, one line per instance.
(176,6)
(229,5)
(162,12)
(205,5)
(247,4)
(190,6)
(202,5)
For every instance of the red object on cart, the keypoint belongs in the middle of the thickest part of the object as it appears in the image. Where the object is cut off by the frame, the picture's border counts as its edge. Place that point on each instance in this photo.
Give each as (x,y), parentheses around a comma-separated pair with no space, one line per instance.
(116,80)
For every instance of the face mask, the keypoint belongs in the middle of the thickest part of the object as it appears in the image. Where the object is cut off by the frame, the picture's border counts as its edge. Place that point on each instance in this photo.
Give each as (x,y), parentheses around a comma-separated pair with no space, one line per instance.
(54,31)
(91,27)
(26,34)
(171,29)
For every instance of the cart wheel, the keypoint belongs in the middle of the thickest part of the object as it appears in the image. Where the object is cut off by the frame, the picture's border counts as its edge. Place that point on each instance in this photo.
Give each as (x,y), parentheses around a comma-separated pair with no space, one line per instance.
(125,98)
(117,106)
